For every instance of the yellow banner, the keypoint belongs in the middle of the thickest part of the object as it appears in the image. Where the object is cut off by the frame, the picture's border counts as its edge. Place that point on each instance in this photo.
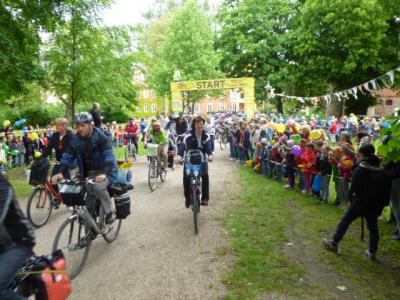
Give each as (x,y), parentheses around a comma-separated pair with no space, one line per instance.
(214,84)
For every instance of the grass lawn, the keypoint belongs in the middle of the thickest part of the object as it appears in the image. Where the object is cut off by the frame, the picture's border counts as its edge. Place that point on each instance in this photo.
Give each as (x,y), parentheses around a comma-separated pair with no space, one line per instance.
(277,247)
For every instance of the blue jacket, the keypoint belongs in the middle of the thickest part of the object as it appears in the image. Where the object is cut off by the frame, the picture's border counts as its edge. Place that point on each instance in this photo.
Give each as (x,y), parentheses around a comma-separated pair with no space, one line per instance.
(190,143)
(103,154)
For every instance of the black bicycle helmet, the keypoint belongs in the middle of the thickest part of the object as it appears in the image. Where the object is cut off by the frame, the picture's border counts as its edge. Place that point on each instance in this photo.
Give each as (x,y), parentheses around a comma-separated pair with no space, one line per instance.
(83,118)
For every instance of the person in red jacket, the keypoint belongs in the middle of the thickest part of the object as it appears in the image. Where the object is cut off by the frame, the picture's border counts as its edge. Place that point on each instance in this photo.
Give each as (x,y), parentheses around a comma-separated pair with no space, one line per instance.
(132,131)
(310,165)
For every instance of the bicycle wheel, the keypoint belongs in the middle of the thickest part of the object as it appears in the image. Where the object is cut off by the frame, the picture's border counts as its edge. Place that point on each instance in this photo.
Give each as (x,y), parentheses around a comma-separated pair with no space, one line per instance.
(109,232)
(73,238)
(39,207)
(133,152)
(162,173)
(222,142)
(126,153)
(152,176)
(196,210)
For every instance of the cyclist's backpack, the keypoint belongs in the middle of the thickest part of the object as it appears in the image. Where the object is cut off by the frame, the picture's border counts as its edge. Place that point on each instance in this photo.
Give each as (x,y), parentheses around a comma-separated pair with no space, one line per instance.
(39,171)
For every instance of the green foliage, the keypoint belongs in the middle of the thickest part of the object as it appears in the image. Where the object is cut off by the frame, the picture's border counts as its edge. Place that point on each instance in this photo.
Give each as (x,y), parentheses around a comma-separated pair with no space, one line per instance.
(189,48)
(253,41)
(86,63)
(390,144)
(20,22)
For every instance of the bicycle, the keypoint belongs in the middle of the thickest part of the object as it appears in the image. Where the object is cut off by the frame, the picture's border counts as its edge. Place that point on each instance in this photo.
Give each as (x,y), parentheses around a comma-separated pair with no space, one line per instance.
(130,149)
(43,199)
(155,166)
(194,162)
(87,220)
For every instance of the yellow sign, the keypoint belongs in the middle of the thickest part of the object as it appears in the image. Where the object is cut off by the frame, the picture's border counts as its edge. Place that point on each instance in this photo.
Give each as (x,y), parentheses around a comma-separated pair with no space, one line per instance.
(214,84)
(245,83)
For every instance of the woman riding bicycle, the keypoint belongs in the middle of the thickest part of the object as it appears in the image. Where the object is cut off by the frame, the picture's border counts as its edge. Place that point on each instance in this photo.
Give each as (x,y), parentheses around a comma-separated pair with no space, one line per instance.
(16,239)
(157,136)
(197,139)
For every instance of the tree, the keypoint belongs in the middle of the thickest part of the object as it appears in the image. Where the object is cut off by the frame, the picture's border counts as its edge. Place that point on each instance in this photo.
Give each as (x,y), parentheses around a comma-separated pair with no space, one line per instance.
(20,23)
(189,48)
(88,63)
(253,41)
(339,44)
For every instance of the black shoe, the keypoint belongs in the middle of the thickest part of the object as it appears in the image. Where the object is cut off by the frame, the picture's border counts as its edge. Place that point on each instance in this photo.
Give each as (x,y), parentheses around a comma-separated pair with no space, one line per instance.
(110,218)
(330,245)
(371,256)
(187,203)
(204,202)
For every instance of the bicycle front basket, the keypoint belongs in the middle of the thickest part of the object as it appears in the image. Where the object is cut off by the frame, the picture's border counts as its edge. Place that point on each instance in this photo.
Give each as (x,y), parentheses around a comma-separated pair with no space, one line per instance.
(152,149)
(73,194)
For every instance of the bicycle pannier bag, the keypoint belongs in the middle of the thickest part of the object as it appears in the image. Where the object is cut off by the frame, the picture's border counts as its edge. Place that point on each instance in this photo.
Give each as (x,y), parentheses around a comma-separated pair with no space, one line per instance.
(73,194)
(39,171)
(123,205)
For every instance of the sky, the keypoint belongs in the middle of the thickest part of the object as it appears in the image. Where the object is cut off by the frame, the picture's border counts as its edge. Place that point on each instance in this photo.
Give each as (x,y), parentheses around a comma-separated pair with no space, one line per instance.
(129,12)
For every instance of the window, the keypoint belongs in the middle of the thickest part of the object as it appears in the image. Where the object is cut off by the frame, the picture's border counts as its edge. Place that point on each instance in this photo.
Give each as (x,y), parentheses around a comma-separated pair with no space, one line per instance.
(389,102)
(138,108)
(154,107)
(146,108)
(209,107)
(197,108)
(222,106)
(145,94)
(234,107)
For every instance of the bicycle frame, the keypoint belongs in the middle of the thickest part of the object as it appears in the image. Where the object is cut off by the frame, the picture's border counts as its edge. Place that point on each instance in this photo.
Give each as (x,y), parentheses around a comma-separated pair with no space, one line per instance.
(54,193)
(83,212)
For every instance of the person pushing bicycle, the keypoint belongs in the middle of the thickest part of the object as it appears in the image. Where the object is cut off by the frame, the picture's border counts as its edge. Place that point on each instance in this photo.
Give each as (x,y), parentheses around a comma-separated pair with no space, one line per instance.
(158,136)
(197,138)
(95,157)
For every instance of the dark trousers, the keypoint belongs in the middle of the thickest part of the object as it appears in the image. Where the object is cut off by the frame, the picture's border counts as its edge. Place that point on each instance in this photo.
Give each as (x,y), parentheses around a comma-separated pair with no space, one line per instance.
(205,186)
(372,225)
(291,173)
(212,138)
(11,261)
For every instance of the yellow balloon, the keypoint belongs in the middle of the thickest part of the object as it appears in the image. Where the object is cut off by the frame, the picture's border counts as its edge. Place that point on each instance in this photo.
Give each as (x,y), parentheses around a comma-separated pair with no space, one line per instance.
(298,127)
(249,163)
(316,134)
(6,124)
(280,128)
(34,136)
(37,154)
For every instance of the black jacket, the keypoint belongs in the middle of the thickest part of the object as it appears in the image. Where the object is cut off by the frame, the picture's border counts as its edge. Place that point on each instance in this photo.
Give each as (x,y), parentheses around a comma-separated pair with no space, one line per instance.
(58,146)
(15,228)
(190,143)
(181,127)
(370,188)
(324,165)
(96,118)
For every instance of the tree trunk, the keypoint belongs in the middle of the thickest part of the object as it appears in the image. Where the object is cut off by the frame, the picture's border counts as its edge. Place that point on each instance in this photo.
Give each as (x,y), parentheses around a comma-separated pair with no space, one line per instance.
(335,108)
(279,105)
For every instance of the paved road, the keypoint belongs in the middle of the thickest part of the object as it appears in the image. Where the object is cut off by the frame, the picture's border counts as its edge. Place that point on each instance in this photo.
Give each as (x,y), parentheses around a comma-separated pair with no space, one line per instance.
(157,255)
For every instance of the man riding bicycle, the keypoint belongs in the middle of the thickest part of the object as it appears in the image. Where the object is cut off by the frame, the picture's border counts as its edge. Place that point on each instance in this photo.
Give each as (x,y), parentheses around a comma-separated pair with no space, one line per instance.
(95,157)
(16,239)
(157,136)
(197,139)
(132,131)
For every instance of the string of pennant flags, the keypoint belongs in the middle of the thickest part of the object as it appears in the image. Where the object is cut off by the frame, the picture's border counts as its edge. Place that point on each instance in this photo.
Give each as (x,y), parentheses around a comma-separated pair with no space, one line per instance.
(384,81)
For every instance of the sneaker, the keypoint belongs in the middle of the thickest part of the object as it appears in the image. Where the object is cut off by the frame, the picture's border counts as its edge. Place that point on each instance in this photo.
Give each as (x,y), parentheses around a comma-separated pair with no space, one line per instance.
(287,186)
(371,256)
(187,203)
(110,218)
(304,192)
(204,202)
(330,245)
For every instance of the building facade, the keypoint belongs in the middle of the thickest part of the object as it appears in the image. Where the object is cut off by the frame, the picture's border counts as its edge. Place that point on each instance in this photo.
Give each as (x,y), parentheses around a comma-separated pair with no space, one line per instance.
(388,102)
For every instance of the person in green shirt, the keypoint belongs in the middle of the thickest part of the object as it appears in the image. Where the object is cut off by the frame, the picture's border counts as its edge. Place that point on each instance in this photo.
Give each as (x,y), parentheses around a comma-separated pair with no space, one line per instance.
(158,136)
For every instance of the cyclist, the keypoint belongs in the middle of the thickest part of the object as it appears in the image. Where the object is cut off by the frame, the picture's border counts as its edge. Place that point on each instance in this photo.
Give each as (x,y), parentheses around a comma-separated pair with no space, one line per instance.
(132,131)
(197,138)
(59,142)
(16,239)
(158,136)
(95,157)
